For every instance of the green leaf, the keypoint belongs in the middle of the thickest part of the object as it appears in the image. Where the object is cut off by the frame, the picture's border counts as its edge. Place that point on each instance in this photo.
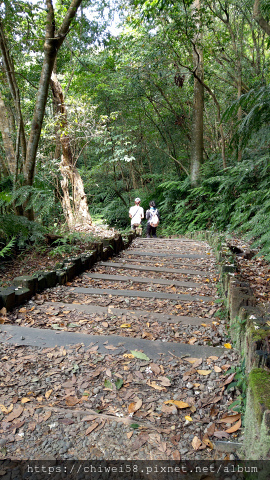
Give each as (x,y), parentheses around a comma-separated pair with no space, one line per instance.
(119,383)
(73,325)
(139,355)
(108,384)
(55,326)
(134,426)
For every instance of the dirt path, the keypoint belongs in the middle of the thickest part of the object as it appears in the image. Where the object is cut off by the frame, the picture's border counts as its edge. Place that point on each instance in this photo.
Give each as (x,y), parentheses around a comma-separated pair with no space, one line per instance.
(127,362)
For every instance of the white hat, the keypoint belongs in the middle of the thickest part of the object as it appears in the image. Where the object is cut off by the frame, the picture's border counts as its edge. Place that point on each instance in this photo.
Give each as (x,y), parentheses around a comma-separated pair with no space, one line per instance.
(137,200)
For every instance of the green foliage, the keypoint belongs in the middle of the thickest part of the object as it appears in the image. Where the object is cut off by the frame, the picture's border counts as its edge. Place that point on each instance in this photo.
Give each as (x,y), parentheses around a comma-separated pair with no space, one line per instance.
(7,250)
(239,383)
(25,231)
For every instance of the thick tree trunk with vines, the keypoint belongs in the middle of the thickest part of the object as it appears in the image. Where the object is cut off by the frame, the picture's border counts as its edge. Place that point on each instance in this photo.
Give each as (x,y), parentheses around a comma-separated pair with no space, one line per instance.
(75,208)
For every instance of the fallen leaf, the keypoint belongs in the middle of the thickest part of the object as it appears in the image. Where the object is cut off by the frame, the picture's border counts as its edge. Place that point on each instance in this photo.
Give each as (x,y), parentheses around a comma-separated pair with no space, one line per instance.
(169,409)
(125,325)
(210,429)
(188,418)
(213,357)
(25,400)
(129,434)
(155,368)
(229,379)
(235,427)
(6,410)
(165,381)
(140,440)
(227,345)
(128,355)
(48,393)
(140,355)
(196,443)
(192,341)
(178,403)
(155,385)
(217,369)
(204,372)
(208,442)
(176,455)
(14,414)
(71,400)
(230,418)
(133,407)
(91,428)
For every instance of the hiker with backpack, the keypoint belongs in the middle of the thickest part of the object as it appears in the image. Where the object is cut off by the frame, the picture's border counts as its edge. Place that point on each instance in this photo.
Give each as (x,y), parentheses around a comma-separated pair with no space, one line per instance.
(152,217)
(136,213)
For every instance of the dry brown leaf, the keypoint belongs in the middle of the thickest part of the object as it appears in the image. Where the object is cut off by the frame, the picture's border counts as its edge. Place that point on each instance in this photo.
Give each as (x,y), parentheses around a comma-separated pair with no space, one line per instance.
(111,347)
(170,409)
(155,368)
(217,369)
(155,386)
(208,442)
(196,443)
(210,429)
(133,407)
(230,418)
(2,320)
(129,434)
(213,357)
(235,427)
(164,381)
(25,400)
(71,400)
(176,455)
(162,447)
(140,440)
(91,428)
(3,311)
(192,340)
(48,393)
(6,410)
(14,414)
(204,372)
(178,403)
(229,379)
(46,416)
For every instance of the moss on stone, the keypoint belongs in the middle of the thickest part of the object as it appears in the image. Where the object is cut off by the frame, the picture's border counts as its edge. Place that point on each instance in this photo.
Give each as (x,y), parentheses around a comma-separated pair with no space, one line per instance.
(259,383)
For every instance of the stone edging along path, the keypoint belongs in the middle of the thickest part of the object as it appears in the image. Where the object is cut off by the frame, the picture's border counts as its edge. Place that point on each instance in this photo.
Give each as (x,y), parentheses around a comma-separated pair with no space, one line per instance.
(250,332)
(250,340)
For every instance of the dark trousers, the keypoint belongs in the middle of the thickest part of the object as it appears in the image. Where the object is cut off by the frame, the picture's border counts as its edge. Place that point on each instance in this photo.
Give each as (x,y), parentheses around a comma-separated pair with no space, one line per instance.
(151,230)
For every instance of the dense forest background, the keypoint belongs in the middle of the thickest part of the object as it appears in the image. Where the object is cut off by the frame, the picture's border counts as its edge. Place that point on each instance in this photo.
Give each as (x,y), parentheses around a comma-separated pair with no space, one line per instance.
(173,106)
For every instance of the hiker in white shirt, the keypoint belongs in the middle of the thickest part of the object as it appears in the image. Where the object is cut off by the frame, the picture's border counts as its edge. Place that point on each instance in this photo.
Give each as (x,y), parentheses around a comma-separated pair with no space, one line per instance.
(136,213)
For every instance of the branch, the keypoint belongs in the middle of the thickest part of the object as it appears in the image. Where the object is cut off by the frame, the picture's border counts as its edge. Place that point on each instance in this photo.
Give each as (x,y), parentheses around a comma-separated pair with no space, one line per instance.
(169,155)
(259,18)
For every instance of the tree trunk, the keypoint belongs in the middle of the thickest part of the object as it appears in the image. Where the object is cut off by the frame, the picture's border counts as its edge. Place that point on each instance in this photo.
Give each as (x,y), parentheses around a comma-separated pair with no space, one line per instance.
(76,212)
(7,138)
(198,107)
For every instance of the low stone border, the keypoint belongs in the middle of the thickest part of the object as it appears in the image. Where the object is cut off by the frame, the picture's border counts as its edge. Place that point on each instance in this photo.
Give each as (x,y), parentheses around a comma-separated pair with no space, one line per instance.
(26,286)
(250,332)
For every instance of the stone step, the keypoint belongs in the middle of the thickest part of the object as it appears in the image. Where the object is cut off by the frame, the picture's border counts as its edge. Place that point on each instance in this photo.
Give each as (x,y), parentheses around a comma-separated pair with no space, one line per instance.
(164,255)
(115,344)
(141,294)
(128,278)
(157,317)
(145,268)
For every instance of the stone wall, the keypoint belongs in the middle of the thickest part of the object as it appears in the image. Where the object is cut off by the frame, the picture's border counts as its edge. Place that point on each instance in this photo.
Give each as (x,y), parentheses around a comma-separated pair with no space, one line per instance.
(250,333)
(24,287)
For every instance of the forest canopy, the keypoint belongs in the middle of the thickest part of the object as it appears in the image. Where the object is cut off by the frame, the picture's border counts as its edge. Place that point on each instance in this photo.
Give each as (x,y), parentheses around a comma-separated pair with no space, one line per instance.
(101,102)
